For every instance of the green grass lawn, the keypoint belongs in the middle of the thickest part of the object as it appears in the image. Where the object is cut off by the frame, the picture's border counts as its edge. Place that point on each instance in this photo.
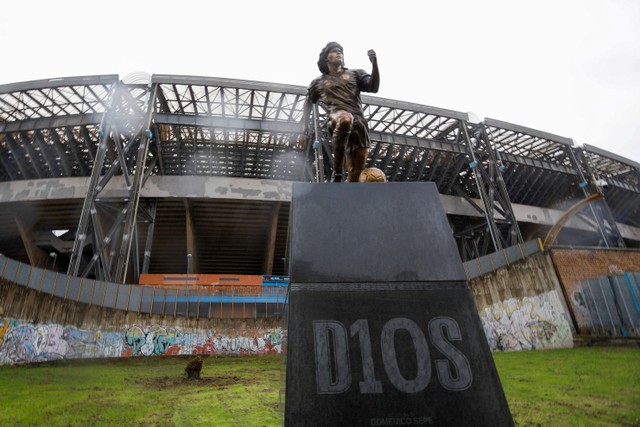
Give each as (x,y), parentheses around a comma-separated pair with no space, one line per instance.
(577,387)
(597,386)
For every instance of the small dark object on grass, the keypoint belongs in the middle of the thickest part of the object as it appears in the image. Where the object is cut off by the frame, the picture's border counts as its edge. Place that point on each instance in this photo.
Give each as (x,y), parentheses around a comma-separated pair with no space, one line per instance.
(192,371)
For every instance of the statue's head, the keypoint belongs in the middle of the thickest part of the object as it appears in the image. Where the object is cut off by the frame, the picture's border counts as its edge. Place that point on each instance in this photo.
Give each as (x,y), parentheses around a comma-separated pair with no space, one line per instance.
(322,59)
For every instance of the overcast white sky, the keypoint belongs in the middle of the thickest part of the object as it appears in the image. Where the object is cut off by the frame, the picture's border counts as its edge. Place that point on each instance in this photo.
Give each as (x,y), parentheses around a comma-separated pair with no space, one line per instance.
(567,67)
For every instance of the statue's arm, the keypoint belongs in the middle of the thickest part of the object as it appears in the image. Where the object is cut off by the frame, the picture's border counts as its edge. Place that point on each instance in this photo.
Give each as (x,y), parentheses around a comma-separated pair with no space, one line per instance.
(374,80)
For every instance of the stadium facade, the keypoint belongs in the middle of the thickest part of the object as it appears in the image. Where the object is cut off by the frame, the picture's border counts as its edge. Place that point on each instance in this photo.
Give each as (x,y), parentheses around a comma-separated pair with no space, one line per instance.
(112,178)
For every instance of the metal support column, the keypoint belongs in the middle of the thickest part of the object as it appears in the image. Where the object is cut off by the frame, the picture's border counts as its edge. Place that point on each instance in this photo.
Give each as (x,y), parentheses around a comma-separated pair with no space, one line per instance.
(89,200)
(605,221)
(506,209)
(491,189)
(123,149)
(134,193)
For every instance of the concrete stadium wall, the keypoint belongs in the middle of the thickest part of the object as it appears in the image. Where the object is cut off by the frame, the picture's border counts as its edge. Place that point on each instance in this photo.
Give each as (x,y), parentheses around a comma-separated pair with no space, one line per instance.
(521,306)
(35,327)
(576,264)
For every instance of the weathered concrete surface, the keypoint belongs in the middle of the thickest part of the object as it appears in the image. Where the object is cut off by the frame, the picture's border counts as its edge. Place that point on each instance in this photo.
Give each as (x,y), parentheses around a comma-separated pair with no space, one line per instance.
(522,306)
(248,189)
(156,186)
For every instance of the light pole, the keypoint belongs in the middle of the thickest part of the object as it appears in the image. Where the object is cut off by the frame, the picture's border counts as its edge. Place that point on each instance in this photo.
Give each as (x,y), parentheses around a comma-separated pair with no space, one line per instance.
(53,255)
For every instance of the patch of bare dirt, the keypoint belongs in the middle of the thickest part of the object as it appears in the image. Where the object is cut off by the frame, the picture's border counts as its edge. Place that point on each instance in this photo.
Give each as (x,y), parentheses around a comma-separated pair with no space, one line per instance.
(217,382)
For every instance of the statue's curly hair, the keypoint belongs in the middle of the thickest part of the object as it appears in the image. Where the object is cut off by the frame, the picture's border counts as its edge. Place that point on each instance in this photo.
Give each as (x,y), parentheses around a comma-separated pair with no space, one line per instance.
(322,59)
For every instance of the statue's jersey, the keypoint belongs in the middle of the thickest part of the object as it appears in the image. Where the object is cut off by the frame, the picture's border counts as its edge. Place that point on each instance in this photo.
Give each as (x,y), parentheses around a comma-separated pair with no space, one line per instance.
(341,92)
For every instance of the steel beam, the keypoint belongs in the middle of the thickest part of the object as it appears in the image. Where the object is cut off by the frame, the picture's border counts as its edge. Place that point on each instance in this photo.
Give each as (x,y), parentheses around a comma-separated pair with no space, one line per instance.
(92,192)
(491,187)
(125,127)
(143,137)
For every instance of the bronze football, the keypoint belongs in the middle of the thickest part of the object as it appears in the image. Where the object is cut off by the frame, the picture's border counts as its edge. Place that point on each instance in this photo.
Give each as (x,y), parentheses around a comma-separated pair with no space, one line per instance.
(372,175)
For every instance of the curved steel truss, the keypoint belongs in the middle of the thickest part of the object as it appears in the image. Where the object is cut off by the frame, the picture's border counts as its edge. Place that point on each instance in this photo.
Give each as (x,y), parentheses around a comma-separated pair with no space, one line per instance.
(102,129)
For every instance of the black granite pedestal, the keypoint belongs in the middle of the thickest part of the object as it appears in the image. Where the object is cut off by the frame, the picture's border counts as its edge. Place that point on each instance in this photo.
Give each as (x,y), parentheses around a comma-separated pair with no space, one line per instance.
(382,328)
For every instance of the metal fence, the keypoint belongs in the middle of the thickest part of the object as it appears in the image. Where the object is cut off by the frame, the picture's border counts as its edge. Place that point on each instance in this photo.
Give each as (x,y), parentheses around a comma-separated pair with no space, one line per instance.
(490,263)
(196,302)
(613,304)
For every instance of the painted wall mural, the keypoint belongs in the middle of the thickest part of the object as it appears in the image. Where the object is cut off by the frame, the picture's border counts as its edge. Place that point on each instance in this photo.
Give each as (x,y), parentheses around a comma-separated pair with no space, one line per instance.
(26,342)
(527,323)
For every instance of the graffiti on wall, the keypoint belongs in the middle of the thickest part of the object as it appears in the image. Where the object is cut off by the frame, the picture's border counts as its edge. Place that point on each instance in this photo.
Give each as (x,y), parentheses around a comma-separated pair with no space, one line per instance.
(26,342)
(527,323)
(149,341)
(218,343)
(31,343)
(581,310)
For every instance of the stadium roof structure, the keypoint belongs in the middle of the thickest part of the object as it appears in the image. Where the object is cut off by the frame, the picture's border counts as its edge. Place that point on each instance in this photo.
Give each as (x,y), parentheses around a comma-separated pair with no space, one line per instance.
(110,178)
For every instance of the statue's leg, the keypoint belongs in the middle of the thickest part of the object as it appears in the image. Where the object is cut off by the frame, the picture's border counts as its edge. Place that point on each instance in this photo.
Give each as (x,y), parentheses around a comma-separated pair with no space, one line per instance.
(356,161)
(342,121)
(339,140)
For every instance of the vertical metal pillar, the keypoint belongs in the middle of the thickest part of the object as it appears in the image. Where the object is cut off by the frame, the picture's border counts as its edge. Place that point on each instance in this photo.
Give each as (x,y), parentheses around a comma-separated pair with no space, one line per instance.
(491,190)
(507,208)
(88,206)
(605,216)
(134,194)
(124,135)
